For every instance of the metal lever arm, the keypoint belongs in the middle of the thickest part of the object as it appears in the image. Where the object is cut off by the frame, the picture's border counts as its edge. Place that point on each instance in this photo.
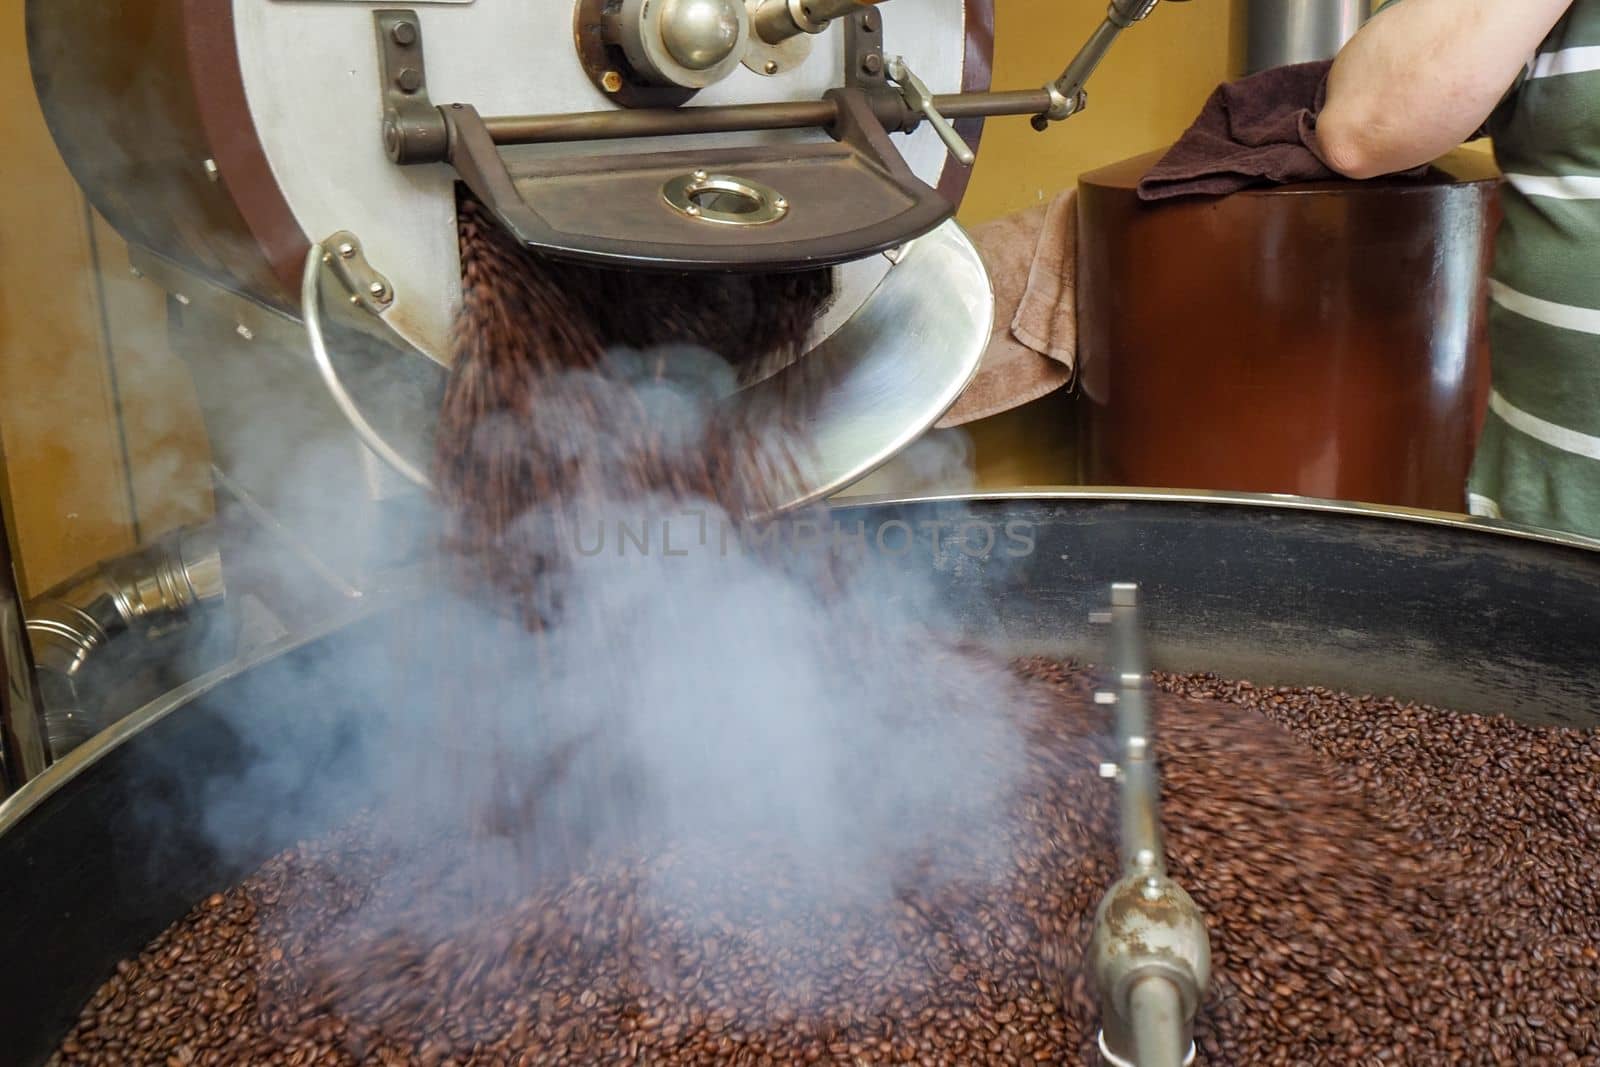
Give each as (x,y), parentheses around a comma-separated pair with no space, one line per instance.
(1150,954)
(1067,95)
(920,100)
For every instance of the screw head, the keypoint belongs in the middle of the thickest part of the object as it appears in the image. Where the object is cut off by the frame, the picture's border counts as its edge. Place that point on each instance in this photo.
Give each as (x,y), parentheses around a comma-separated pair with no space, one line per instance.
(692,210)
(611,81)
(872,63)
(770,66)
(378,290)
(409,79)
(404,34)
(700,175)
(347,250)
(212,173)
(782,203)
(391,136)
(246,332)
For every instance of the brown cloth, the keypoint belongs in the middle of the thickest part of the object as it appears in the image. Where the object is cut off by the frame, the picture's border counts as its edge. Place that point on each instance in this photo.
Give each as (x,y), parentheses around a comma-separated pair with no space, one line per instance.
(1031,257)
(1255,131)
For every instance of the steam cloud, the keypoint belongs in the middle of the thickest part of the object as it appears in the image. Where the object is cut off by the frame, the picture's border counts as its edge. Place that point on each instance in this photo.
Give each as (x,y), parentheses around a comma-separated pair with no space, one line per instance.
(697,704)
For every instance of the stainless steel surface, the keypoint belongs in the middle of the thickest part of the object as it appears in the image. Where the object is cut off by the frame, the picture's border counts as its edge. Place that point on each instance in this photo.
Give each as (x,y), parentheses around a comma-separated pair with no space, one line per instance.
(119,618)
(1278,32)
(873,386)
(686,43)
(1148,934)
(920,100)
(699,34)
(890,371)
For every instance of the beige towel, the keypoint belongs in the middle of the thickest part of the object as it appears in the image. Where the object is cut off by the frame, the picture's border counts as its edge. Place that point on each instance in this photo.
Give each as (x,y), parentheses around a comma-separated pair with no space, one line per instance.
(1032,261)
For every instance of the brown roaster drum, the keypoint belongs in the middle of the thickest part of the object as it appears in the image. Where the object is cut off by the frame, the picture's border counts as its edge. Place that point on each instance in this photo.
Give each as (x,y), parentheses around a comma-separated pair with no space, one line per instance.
(1325,339)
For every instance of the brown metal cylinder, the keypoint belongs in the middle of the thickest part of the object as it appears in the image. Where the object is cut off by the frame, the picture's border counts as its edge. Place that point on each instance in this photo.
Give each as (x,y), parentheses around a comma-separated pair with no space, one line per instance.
(1325,340)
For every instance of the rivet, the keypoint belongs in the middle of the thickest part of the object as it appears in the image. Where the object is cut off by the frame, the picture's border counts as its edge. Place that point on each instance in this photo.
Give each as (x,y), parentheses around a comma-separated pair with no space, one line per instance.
(692,209)
(782,204)
(181,298)
(212,173)
(700,175)
(347,250)
(409,79)
(136,272)
(404,34)
(770,66)
(244,331)
(611,81)
(378,289)
(872,63)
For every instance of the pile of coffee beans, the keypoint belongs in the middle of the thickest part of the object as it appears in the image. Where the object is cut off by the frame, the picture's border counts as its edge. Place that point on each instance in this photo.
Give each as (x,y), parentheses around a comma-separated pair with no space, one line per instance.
(1384,883)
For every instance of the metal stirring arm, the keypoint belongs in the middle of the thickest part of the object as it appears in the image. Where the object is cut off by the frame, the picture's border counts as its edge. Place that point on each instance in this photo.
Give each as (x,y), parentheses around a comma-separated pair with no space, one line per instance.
(1150,954)
(1067,95)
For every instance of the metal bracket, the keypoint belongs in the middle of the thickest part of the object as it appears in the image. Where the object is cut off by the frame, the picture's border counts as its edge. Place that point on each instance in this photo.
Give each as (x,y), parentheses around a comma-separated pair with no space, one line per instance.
(368,289)
(863,50)
(413,129)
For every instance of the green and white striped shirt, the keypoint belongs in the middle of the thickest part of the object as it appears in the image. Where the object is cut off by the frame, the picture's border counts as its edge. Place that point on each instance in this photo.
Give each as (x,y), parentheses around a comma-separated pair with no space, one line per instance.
(1539,459)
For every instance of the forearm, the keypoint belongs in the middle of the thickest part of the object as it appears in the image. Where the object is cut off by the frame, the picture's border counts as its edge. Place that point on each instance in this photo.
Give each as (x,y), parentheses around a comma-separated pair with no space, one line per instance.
(1422,76)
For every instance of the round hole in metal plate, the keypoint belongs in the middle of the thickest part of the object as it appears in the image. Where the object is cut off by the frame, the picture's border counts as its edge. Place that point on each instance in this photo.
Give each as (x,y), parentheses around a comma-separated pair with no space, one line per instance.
(725,198)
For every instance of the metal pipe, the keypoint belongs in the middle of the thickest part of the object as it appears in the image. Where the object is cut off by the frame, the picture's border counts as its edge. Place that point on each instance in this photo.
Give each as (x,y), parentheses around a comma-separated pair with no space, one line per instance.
(1067,95)
(1155,1014)
(1142,851)
(775,21)
(86,632)
(1279,32)
(737,118)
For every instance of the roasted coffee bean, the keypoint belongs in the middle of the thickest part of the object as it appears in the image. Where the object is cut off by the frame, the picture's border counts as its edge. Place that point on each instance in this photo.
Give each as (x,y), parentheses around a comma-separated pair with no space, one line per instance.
(1384,883)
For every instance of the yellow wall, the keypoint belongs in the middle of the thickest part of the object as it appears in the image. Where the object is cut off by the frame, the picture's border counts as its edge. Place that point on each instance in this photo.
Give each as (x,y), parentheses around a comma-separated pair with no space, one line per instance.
(1144,95)
(75,333)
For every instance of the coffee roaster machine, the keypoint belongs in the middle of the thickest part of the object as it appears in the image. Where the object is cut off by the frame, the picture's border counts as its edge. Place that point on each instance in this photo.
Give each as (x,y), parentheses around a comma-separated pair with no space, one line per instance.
(286,171)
